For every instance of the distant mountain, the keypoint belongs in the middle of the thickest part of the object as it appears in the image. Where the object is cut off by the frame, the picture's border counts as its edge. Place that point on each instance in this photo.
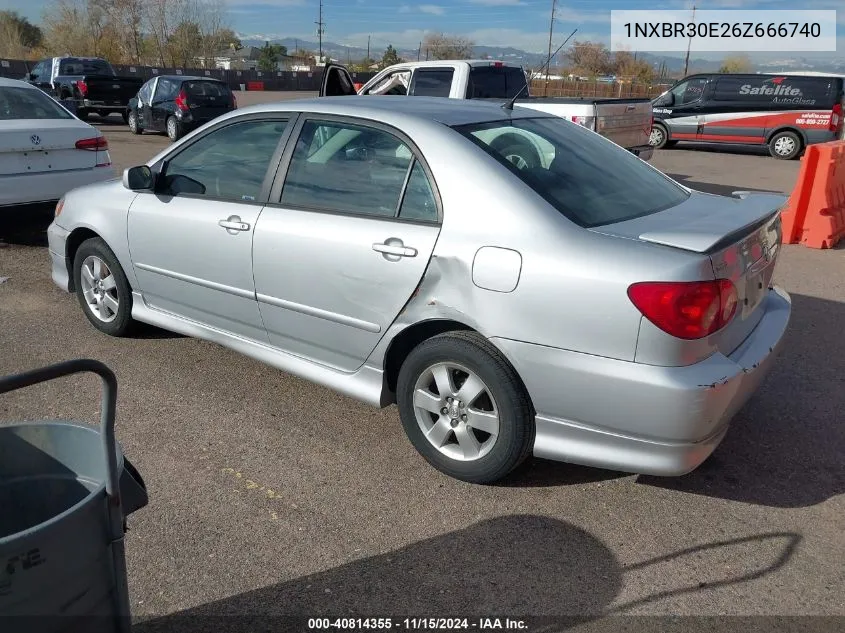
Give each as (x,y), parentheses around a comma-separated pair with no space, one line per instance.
(674,65)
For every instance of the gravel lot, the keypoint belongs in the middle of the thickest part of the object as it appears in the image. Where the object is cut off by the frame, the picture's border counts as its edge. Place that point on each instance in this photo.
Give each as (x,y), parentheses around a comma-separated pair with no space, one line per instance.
(269,495)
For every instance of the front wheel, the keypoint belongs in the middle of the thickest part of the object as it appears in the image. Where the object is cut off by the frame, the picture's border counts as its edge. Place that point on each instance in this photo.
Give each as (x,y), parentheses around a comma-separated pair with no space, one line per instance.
(464,407)
(174,129)
(785,145)
(102,288)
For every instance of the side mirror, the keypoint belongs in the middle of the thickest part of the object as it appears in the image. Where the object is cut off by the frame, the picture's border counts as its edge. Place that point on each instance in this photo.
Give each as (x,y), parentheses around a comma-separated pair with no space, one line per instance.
(139,178)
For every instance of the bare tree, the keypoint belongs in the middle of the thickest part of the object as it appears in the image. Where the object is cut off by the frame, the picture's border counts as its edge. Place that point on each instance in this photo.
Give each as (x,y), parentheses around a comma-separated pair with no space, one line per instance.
(440,46)
(589,58)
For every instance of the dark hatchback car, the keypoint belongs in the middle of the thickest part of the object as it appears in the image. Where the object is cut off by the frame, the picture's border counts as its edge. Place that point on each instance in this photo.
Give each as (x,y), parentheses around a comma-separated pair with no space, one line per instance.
(177,104)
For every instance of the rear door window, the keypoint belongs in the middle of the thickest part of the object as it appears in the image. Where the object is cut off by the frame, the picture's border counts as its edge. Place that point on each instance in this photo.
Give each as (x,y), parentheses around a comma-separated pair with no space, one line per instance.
(432,82)
(495,82)
(351,169)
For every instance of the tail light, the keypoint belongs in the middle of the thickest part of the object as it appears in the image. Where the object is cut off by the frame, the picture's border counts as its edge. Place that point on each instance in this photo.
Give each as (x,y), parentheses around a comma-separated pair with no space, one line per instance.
(498,64)
(686,310)
(836,118)
(182,101)
(585,121)
(82,87)
(97,143)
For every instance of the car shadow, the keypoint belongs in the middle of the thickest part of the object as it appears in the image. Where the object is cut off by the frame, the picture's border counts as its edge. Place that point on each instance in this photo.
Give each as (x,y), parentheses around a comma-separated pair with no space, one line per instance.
(26,225)
(709,187)
(543,473)
(741,150)
(505,566)
(785,447)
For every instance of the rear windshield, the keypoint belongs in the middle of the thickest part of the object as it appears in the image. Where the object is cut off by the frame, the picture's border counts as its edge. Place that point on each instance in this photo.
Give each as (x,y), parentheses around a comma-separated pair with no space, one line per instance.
(495,82)
(206,89)
(590,180)
(85,67)
(29,103)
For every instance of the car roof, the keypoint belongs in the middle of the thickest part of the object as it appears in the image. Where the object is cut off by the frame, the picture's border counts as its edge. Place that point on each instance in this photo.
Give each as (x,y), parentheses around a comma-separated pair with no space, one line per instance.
(15,83)
(452,62)
(187,78)
(392,109)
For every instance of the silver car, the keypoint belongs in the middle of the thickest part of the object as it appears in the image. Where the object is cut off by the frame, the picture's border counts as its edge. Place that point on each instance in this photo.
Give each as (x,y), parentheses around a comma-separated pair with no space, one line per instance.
(512,281)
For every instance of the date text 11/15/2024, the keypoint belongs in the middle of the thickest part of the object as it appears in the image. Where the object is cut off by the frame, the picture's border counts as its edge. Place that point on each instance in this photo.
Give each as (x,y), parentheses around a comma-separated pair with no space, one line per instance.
(416,624)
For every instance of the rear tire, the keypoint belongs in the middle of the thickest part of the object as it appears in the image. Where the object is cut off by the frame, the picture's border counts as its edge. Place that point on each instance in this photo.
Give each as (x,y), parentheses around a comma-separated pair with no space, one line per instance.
(785,145)
(133,123)
(174,129)
(102,288)
(487,429)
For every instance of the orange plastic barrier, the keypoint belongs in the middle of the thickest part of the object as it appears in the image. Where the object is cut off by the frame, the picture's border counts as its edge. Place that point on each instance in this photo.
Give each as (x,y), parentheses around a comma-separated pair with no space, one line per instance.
(815,213)
(255,85)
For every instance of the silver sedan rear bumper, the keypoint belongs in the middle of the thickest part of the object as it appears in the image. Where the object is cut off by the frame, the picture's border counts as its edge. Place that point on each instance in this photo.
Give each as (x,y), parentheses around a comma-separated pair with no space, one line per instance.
(641,418)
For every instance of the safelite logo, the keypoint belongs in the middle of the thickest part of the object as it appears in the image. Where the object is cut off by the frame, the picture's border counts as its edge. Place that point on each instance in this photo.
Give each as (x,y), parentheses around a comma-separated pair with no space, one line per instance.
(773,86)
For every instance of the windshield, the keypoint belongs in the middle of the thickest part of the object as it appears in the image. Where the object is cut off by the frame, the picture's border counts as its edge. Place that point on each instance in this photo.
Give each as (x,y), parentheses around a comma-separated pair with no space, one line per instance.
(29,103)
(589,179)
(74,66)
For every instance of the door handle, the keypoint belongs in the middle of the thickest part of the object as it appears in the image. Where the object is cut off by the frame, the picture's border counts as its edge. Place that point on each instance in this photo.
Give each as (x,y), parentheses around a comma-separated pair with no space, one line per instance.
(396,249)
(233,223)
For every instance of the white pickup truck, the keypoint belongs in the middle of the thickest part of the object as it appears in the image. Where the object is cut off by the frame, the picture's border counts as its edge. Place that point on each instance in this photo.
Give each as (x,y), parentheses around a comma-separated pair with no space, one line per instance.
(626,122)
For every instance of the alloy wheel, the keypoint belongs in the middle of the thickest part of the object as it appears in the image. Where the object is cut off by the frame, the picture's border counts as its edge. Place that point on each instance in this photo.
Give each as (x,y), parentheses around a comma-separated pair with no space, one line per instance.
(99,289)
(456,411)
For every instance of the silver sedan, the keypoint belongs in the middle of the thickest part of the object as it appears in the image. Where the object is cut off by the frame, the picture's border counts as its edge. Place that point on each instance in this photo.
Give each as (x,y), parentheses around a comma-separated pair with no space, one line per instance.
(512,281)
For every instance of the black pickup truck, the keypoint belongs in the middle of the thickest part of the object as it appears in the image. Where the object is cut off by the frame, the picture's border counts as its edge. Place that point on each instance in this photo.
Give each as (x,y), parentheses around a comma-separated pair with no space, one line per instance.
(89,82)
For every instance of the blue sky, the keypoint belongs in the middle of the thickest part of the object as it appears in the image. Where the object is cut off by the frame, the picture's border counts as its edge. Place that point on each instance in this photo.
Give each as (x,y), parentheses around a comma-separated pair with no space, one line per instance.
(520,23)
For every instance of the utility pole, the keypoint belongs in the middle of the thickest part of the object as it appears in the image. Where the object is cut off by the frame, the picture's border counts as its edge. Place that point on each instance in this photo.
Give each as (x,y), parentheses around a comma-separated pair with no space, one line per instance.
(368,47)
(321,28)
(419,50)
(689,45)
(549,63)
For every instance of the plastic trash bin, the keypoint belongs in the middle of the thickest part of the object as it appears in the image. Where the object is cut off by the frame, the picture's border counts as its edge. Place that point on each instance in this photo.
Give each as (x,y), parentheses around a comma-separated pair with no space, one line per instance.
(65,492)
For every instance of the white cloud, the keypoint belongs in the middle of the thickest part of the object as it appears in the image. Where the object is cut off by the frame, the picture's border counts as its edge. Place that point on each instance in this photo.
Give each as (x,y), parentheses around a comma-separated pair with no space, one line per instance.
(432,9)
(573,17)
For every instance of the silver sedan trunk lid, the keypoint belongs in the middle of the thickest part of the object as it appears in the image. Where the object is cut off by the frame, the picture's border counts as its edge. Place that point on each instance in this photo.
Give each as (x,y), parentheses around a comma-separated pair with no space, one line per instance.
(741,236)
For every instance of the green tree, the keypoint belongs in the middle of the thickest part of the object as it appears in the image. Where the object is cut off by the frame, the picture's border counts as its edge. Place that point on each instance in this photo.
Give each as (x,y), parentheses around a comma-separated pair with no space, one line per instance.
(390,57)
(270,55)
